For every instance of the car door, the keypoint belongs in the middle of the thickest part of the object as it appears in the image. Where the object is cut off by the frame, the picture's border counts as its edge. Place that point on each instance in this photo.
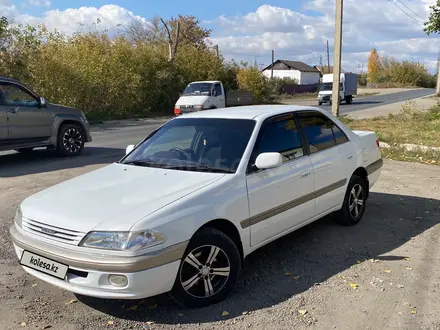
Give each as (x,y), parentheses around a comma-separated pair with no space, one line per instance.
(329,152)
(279,198)
(3,121)
(26,119)
(219,99)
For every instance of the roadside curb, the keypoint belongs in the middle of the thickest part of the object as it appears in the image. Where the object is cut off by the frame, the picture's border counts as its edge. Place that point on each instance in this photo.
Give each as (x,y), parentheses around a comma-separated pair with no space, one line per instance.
(409,147)
(131,122)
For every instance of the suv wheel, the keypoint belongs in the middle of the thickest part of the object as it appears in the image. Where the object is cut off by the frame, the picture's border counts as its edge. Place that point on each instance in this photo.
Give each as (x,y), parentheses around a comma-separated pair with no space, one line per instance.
(70,140)
(209,270)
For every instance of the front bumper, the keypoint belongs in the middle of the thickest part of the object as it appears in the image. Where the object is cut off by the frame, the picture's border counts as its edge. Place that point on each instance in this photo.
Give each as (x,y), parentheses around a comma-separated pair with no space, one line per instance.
(148,275)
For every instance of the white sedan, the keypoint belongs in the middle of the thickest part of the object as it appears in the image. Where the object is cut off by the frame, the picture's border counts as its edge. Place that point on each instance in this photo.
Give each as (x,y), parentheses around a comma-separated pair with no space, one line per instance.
(182,210)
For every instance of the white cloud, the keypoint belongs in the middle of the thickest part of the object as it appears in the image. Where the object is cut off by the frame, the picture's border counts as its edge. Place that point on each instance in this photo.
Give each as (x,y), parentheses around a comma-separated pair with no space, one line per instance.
(295,35)
(40,3)
(77,19)
(7,9)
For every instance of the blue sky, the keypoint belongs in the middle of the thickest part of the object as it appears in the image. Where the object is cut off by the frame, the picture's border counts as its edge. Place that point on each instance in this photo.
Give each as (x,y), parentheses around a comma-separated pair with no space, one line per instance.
(146,8)
(250,29)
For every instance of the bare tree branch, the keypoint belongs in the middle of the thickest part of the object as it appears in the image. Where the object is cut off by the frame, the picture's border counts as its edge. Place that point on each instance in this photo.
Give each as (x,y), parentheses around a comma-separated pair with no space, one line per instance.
(170,41)
(177,40)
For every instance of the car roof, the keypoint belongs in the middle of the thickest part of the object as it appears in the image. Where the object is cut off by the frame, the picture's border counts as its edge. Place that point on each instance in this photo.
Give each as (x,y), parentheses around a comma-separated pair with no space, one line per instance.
(7,79)
(205,81)
(255,112)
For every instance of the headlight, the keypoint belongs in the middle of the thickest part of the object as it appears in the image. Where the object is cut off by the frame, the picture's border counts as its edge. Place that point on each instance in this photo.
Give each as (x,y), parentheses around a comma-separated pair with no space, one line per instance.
(123,241)
(18,217)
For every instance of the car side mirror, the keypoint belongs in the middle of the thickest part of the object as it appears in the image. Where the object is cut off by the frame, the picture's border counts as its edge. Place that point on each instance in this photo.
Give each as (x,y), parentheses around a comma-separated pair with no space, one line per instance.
(43,102)
(269,160)
(129,149)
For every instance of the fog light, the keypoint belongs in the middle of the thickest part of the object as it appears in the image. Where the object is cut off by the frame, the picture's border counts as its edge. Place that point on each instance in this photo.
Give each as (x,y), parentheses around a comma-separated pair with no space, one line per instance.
(118,280)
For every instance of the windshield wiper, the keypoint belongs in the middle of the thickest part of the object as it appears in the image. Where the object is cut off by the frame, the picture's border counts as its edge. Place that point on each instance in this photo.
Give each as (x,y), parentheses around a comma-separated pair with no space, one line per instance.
(201,167)
(144,163)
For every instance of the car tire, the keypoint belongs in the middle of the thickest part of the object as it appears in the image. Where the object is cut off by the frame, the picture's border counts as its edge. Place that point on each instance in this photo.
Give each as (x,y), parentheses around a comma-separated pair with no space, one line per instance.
(71,139)
(197,284)
(24,150)
(355,202)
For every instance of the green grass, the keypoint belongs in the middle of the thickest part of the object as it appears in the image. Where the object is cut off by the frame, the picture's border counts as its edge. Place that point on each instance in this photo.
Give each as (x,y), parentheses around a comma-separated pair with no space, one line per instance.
(409,126)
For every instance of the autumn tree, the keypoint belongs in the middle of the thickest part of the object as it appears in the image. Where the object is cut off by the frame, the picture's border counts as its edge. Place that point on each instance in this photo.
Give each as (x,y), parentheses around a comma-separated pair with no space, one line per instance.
(374,65)
(433,23)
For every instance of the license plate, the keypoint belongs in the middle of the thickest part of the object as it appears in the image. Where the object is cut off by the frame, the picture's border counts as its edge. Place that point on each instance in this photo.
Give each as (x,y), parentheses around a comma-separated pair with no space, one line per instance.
(43,264)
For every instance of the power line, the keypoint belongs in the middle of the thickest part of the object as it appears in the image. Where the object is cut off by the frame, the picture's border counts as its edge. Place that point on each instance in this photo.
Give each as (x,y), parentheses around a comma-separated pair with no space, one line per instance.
(412,17)
(410,9)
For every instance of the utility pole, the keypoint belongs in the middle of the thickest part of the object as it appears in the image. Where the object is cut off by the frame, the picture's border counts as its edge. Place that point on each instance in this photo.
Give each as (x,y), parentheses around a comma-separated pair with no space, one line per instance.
(217,51)
(273,60)
(328,58)
(337,58)
(438,75)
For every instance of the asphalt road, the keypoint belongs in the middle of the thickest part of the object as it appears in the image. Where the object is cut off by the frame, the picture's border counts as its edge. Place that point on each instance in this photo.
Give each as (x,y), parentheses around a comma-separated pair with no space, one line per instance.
(363,103)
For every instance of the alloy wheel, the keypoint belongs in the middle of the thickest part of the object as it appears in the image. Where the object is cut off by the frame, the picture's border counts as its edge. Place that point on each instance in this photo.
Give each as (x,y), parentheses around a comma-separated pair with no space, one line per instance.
(356,201)
(205,271)
(72,140)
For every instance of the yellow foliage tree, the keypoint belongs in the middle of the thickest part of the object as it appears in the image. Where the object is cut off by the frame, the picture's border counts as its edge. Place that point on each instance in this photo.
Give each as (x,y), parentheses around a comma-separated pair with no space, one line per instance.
(374,65)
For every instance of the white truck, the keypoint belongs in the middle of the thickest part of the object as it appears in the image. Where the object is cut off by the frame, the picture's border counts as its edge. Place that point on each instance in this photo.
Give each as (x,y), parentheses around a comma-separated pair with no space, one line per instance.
(205,95)
(347,90)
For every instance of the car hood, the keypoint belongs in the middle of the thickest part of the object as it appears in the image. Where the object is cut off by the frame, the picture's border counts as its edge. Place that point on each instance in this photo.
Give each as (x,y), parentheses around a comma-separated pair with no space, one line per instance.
(192,100)
(65,109)
(112,198)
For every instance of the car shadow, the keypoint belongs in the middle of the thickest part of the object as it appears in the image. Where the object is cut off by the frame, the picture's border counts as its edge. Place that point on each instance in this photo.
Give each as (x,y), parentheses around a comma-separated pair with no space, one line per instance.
(42,161)
(315,253)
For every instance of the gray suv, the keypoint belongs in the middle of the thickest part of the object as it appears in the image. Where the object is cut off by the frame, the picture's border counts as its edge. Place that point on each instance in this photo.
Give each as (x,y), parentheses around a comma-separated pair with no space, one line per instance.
(27,121)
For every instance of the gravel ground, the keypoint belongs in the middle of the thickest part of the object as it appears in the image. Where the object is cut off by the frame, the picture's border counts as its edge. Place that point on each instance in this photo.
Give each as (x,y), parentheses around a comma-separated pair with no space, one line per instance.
(381,274)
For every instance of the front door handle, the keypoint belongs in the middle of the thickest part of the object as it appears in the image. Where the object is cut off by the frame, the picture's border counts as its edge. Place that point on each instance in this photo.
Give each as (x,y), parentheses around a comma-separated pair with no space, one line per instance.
(305,174)
(13,110)
(350,157)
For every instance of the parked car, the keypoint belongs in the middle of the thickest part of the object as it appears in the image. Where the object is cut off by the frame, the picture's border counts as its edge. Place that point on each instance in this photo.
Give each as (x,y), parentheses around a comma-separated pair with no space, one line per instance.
(27,121)
(207,95)
(185,206)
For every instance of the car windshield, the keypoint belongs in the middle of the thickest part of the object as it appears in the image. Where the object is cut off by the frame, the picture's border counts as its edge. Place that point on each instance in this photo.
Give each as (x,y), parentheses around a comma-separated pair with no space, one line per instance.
(195,144)
(198,89)
(328,86)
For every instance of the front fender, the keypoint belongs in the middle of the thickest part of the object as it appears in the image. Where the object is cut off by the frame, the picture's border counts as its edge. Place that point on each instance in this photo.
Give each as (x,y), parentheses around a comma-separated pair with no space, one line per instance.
(69,118)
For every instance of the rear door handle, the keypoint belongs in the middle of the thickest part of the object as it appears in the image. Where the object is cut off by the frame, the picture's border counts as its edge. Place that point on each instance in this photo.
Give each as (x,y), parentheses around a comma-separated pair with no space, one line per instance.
(350,157)
(305,174)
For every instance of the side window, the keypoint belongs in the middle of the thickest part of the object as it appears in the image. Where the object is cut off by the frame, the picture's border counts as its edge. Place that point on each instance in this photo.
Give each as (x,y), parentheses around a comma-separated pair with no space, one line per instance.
(14,96)
(340,136)
(280,136)
(218,89)
(321,133)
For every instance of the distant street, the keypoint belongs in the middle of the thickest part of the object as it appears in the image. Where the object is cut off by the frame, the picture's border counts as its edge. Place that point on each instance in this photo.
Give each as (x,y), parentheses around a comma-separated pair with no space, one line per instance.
(368,102)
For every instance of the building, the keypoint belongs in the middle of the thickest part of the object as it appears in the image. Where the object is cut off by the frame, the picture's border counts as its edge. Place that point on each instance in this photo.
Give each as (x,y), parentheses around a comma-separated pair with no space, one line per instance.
(305,74)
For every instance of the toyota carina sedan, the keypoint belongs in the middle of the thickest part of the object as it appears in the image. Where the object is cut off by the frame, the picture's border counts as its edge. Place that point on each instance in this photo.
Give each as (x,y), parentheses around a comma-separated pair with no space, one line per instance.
(183,209)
